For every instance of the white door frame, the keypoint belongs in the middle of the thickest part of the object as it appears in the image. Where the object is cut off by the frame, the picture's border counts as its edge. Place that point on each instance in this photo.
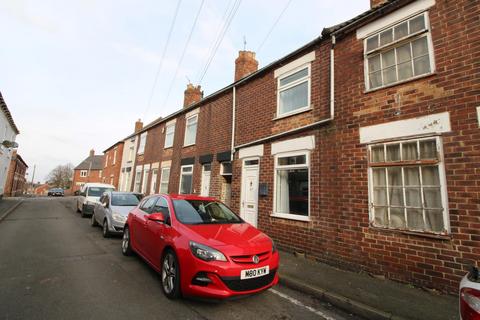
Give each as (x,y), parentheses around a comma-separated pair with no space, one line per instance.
(243,207)
(206,176)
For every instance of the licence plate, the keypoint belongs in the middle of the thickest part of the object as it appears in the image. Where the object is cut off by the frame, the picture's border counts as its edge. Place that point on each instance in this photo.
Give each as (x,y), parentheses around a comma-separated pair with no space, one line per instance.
(254,273)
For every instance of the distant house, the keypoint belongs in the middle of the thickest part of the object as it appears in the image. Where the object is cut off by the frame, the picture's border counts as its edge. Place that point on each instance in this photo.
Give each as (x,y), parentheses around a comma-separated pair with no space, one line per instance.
(89,170)
(42,190)
(112,164)
(8,133)
(16,181)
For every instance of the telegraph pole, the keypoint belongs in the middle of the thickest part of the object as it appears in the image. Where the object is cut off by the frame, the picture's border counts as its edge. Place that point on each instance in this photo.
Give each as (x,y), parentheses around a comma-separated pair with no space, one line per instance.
(33,176)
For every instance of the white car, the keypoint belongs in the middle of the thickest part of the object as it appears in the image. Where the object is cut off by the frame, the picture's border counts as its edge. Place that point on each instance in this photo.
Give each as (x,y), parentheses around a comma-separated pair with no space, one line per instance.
(90,194)
(470,296)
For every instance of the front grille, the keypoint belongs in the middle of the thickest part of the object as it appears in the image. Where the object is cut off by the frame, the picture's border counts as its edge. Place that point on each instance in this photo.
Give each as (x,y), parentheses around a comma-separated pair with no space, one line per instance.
(249,258)
(235,284)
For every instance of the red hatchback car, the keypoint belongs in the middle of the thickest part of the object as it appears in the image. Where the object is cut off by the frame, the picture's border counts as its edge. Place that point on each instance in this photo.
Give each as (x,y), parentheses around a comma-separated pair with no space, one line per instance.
(200,247)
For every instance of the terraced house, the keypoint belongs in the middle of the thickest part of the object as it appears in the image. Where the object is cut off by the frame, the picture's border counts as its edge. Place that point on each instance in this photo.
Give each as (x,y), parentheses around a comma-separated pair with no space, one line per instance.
(361,148)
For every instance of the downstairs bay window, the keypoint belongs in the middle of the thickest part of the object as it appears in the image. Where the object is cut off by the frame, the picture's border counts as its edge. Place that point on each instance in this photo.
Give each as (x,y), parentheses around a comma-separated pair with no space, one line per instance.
(292,185)
(407,186)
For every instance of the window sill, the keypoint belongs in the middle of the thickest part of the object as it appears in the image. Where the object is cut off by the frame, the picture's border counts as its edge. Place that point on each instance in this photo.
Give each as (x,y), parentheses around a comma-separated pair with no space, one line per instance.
(302,110)
(170,147)
(290,216)
(413,233)
(401,82)
(188,145)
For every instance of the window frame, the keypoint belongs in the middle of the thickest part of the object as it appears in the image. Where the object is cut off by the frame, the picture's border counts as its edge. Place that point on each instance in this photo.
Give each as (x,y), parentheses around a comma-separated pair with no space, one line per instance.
(181,178)
(162,175)
(439,162)
(142,143)
(186,130)
(222,169)
(172,125)
(427,32)
(83,173)
(307,154)
(308,78)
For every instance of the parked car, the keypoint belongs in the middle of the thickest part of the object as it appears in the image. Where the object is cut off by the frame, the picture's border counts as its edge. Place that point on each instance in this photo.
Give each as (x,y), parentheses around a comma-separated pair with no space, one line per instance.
(56,192)
(112,210)
(470,296)
(89,195)
(200,247)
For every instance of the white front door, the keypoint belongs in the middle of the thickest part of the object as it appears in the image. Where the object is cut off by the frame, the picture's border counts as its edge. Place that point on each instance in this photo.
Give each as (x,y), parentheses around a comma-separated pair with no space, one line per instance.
(249,197)
(153,182)
(206,170)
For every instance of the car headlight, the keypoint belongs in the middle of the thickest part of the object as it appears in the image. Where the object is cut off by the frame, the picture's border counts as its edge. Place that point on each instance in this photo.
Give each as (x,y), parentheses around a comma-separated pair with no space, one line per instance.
(206,253)
(118,217)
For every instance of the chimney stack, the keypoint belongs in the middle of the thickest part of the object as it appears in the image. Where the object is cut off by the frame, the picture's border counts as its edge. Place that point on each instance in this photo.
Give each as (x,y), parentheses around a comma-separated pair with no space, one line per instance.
(376,3)
(245,64)
(92,153)
(138,125)
(193,94)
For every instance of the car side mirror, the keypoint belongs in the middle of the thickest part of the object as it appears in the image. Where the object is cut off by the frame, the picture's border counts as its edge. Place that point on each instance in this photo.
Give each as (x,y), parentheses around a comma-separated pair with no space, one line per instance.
(158,217)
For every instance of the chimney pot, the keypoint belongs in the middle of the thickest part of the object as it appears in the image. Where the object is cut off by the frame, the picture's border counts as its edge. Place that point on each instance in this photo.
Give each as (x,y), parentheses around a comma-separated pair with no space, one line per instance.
(245,64)
(92,153)
(138,125)
(376,3)
(192,95)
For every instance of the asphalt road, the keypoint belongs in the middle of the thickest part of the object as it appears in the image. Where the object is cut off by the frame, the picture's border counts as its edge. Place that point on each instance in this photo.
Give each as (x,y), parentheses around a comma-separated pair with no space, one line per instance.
(54,265)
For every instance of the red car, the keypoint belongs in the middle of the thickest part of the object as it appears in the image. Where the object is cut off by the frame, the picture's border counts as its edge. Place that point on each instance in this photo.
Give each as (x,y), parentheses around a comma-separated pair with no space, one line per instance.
(200,247)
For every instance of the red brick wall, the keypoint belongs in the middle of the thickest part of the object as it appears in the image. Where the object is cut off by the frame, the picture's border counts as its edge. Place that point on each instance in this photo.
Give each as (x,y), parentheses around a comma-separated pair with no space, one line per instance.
(339,232)
(110,167)
(16,180)
(94,176)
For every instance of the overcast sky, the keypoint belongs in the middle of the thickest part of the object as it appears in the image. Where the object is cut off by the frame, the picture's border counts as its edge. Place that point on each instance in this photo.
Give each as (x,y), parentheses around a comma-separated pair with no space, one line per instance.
(77,74)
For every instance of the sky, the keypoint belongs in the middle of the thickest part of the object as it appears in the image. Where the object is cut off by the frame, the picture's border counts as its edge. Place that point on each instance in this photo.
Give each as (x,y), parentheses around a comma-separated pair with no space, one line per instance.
(77,74)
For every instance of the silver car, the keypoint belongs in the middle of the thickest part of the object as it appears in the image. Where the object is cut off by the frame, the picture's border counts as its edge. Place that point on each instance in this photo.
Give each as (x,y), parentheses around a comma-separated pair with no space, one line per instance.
(112,210)
(469,295)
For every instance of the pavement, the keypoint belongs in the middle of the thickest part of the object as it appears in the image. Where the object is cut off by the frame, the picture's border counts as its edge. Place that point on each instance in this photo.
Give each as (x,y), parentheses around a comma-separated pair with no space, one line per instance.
(8,205)
(362,294)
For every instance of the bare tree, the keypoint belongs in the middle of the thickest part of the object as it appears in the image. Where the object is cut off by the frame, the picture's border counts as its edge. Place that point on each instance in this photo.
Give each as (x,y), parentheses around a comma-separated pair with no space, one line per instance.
(61,176)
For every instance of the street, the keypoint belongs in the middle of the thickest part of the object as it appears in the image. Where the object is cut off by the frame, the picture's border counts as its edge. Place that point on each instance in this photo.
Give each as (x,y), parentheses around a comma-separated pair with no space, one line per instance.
(54,265)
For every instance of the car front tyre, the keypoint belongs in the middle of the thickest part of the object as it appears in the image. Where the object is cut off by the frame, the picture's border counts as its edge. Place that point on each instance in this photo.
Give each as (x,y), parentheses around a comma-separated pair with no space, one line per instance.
(84,215)
(126,246)
(105,231)
(170,275)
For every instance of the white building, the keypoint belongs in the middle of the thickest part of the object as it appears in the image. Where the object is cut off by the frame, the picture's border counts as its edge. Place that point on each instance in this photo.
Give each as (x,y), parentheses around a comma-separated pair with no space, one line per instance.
(8,132)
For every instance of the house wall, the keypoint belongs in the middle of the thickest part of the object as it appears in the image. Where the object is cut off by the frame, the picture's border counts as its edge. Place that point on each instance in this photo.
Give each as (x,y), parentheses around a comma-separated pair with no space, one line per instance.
(15,185)
(92,176)
(111,170)
(125,180)
(6,133)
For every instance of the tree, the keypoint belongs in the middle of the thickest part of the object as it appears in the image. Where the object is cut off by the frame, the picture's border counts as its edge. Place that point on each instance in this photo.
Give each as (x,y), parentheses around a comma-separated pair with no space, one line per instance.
(61,176)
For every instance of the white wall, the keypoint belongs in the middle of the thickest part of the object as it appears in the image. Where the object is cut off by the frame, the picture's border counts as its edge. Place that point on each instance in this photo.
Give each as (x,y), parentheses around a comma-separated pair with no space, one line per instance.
(127,163)
(6,133)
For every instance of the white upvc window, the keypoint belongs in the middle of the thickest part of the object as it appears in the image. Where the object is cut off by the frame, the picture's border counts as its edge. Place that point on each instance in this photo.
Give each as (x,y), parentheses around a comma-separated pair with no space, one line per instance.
(114,156)
(143,141)
(292,185)
(186,177)
(100,173)
(399,53)
(169,134)
(153,182)
(226,168)
(106,160)
(190,130)
(146,170)
(293,91)
(407,186)
(165,177)
(130,154)
(83,173)
(138,178)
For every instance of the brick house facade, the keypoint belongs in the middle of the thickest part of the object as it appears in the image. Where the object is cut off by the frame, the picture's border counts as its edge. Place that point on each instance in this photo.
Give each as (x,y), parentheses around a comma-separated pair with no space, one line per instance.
(89,170)
(16,181)
(112,164)
(361,148)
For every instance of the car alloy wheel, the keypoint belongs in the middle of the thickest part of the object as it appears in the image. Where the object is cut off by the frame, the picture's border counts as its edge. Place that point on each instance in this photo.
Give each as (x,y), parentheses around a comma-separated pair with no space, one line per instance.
(126,248)
(105,232)
(170,275)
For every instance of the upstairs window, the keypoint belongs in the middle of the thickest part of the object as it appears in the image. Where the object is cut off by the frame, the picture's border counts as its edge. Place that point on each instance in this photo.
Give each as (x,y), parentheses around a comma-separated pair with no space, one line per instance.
(407,186)
(83,173)
(190,130)
(399,53)
(294,91)
(143,141)
(169,133)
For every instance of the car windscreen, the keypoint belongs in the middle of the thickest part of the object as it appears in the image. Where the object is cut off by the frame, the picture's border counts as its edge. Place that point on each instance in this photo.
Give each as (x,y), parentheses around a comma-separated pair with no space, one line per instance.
(97,191)
(204,212)
(125,199)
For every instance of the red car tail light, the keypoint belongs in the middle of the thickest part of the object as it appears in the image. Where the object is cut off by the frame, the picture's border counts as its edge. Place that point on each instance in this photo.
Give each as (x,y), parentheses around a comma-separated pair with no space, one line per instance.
(470,304)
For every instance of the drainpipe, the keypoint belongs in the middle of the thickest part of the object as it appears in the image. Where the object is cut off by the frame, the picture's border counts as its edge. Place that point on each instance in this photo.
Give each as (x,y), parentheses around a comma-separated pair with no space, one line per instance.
(233,123)
(332,78)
